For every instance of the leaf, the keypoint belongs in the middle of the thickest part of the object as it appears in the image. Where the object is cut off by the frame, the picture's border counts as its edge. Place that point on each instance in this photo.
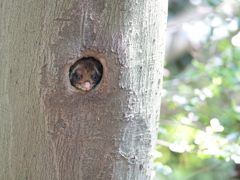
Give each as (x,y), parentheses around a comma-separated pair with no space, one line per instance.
(198,65)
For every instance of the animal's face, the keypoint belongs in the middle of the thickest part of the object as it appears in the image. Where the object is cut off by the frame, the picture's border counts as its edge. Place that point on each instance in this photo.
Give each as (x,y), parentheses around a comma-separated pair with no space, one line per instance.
(86,74)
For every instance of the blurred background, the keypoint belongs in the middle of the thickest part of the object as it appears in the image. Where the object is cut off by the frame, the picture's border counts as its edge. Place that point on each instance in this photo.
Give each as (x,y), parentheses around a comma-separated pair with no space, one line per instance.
(199,133)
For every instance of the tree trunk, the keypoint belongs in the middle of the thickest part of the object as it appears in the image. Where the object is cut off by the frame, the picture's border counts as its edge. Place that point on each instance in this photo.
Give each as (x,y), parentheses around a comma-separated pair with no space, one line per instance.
(50,130)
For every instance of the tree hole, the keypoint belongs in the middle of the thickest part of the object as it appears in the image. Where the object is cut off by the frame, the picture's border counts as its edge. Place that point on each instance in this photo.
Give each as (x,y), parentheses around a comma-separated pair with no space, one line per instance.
(86,73)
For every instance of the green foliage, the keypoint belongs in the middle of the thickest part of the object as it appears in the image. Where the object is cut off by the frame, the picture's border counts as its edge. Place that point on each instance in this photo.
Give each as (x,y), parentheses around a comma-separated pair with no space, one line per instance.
(199,137)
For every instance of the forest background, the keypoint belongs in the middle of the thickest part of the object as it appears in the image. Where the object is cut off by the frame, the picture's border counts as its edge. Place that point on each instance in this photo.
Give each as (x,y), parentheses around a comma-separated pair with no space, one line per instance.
(199,133)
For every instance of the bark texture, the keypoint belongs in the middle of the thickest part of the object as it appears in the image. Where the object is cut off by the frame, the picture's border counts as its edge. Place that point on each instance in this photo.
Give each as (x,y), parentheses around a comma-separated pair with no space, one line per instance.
(51,131)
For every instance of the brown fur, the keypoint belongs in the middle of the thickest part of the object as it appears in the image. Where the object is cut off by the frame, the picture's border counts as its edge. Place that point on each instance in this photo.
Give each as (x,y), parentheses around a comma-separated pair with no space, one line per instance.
(86,73)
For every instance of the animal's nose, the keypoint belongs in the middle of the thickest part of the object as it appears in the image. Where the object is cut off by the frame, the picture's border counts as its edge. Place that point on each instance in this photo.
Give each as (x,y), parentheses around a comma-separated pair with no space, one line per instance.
(87,85)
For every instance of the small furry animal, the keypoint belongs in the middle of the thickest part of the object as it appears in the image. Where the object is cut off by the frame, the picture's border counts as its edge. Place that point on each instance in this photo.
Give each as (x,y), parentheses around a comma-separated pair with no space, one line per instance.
(86,73)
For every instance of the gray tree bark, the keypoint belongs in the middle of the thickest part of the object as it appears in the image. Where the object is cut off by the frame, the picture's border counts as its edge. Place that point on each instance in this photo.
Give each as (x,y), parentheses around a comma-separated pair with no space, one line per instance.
(51,131)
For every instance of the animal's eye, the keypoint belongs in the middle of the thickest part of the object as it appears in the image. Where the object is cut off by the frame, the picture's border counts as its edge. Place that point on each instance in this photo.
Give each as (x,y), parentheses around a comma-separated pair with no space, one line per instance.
(78,76)
(94,77)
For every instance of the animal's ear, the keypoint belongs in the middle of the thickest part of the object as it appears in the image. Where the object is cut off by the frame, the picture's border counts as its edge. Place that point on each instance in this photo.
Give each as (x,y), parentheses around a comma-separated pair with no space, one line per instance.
(74,67)
(71,68)
(99,66)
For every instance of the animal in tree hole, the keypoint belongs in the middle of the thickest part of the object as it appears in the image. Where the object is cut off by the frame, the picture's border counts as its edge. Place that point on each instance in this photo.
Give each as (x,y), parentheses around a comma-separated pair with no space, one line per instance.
(86,73)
